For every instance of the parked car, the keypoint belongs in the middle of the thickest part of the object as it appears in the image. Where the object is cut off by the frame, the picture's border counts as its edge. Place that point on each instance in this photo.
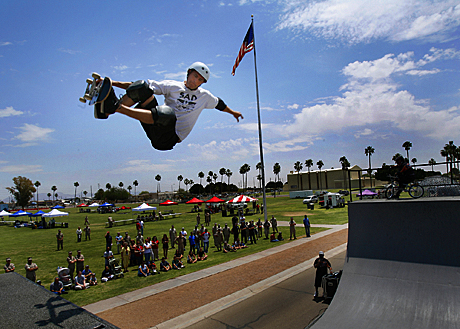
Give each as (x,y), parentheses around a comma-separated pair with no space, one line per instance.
(310,199)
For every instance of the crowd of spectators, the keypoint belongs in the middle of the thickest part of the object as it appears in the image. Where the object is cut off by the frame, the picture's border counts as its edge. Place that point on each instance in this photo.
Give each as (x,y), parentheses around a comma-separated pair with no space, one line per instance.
(142,252)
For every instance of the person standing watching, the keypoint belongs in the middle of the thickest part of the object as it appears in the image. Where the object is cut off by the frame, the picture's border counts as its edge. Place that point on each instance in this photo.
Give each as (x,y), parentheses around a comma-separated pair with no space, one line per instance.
(9,266)
(31,268)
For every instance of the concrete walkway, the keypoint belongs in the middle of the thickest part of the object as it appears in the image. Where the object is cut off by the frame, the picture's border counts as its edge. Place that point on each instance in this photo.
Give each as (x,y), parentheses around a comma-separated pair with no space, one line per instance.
(129,297)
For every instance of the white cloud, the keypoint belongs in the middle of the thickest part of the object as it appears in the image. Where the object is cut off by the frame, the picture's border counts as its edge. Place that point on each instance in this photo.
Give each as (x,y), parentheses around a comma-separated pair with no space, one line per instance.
(356,21)
(371,96)
(23,169)
(68,51)
(7,43)
(143,166)
(9,111)
(120,67)
(31,134)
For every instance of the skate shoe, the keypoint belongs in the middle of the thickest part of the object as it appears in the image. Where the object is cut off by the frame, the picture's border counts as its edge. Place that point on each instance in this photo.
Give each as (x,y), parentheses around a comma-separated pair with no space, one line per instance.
(98,114)
(111,103)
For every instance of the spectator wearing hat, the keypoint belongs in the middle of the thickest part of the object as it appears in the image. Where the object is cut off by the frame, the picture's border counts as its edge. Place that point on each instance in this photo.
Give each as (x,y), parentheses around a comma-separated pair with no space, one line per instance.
(71,260)
(9,266)
(31,268)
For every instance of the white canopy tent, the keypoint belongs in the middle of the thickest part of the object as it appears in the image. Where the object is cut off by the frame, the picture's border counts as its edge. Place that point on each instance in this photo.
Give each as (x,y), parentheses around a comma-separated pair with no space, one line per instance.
(144,207)
(4,213)
(55,213)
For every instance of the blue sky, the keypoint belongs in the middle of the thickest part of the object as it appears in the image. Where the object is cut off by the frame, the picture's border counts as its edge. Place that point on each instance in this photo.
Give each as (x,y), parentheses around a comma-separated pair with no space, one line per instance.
(334,77)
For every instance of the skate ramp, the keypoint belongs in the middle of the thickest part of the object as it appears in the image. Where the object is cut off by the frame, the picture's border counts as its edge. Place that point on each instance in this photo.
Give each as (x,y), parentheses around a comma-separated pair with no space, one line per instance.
(402,268)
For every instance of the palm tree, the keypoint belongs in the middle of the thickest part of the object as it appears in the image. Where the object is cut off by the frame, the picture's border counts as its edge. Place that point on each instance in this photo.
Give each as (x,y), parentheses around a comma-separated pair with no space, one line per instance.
(309,164)
(276,171)
(76,184)
(222,172)
(37,184)
(449,152)
(320,165)
(368,151)
(229,174)
(108,186)
(85,193)
(259,168)
(242,174)
(432,162)
(180,179)
(345,165)
(214,177)
(49,196)
(200,176)
(129,188)
(186,182)
(158,179)
(135,183)
(407,145)
(121,184)
(414,161)
(54,189)
(247,168)
(298,168)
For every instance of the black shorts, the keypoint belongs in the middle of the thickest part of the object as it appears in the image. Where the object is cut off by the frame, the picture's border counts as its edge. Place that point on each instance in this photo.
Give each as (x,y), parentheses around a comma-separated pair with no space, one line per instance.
(163,138)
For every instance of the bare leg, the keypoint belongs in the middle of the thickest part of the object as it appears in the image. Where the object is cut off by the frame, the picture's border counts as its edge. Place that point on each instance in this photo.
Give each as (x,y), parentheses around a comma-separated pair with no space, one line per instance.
(143,115)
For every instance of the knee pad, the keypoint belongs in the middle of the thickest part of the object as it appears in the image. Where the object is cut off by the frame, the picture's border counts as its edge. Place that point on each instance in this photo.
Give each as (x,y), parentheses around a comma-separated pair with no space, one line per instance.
(163,116)
(139,91)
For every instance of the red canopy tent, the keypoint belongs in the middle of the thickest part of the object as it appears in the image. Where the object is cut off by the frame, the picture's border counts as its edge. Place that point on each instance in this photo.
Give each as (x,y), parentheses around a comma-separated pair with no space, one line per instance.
(215,199)
(168,203)
(82,205)
(195,200)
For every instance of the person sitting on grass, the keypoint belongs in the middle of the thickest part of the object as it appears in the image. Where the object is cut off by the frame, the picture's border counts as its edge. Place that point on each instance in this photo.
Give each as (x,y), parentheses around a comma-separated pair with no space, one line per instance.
(164,265)
(177,264)
(280,236)
(107,274)
(152,267)
(239,245)
(80,282)
(143,270)
(93,280)
(87,273)
(228,248)
(178,254)
(201,255)
(273,237)
(57,287)
(191,258)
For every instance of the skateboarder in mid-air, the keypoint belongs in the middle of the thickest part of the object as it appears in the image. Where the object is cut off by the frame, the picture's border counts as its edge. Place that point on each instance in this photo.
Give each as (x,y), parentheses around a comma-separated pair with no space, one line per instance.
(168,124)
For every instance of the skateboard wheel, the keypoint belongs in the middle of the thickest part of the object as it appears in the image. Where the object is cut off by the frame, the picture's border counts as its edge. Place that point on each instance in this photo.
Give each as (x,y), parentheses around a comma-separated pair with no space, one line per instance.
(96,76)
(82,99)
(89,81)
(88,97)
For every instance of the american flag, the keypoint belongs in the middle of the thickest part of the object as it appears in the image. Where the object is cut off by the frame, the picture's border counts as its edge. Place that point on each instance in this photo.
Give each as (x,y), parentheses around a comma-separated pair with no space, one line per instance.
(247,46)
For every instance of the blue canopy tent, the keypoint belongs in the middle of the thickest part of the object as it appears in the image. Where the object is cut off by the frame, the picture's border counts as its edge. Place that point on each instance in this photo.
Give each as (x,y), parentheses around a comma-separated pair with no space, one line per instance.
(38,213)
(21,213)
(58,207)
(106,204)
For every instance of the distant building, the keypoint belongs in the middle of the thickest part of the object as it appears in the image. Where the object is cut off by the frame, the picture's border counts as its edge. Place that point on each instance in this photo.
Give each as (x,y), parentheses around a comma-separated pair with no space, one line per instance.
(328,179)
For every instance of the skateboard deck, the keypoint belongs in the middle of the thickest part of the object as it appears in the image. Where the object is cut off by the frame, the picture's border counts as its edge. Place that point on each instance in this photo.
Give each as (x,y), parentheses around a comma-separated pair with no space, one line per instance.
(97,90)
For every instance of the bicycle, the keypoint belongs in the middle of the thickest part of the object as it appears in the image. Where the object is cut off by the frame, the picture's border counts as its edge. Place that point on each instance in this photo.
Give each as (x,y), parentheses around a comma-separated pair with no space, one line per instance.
(414,189)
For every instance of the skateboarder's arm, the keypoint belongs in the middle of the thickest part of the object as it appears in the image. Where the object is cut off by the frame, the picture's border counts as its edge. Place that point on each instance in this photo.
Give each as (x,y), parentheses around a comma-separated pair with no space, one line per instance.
(122,85)
(236,114)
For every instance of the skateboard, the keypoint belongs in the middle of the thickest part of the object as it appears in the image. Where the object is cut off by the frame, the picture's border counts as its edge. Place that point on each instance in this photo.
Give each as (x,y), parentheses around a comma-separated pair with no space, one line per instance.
(97,90)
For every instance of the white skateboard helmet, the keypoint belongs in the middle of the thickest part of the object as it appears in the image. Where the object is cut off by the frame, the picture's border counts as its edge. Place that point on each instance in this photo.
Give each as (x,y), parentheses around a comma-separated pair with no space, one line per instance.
(202,69)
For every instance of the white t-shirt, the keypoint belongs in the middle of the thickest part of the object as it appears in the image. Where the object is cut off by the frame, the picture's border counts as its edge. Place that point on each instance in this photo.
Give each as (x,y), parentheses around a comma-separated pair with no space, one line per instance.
(187,104)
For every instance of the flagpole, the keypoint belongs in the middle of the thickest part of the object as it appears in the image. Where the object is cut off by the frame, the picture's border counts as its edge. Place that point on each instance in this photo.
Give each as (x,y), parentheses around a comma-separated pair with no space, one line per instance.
(259,124)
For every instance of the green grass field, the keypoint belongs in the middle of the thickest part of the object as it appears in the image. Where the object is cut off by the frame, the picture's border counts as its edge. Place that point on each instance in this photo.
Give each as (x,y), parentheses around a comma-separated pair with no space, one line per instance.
(21,243)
